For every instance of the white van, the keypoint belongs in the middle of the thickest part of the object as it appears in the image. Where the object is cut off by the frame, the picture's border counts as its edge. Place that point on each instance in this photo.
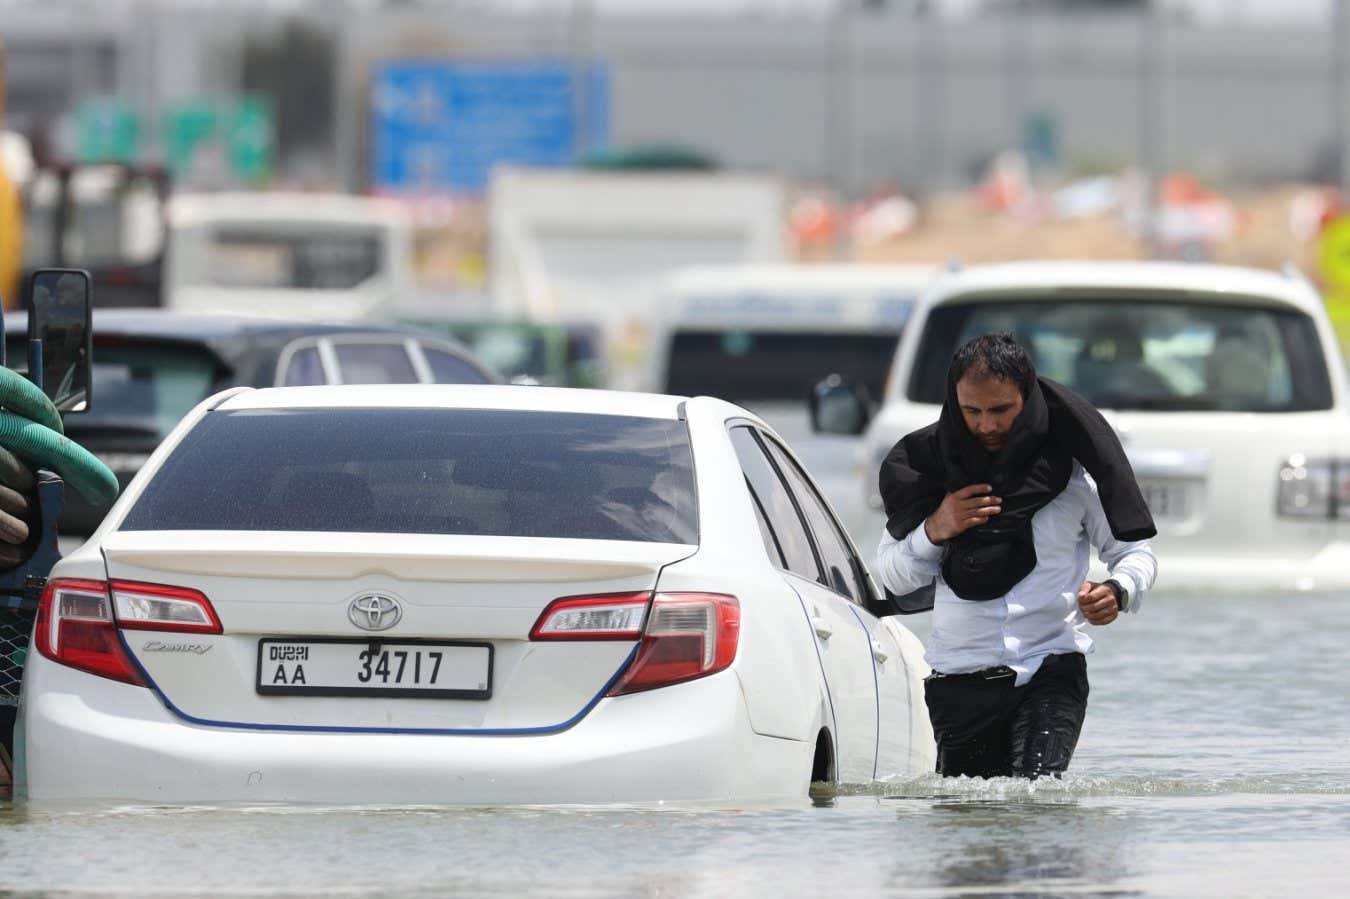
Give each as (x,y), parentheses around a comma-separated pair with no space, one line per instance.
(762,335)
(328,257)
(1226,386)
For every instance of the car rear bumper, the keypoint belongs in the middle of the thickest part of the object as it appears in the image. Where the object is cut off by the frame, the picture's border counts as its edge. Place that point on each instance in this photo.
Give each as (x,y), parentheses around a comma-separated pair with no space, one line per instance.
(86,737)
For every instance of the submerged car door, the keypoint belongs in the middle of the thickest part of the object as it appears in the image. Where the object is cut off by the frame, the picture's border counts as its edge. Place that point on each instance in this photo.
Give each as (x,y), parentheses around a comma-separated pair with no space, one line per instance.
(841,639)
(896,692)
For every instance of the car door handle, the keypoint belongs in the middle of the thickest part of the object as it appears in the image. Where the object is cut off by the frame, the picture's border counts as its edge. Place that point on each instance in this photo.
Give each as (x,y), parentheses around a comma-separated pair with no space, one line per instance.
(822,629)
(878,652)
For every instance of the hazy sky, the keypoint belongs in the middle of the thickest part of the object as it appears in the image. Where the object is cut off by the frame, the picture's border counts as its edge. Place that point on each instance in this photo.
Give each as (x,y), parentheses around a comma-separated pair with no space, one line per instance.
(1210,10)
(1218,11)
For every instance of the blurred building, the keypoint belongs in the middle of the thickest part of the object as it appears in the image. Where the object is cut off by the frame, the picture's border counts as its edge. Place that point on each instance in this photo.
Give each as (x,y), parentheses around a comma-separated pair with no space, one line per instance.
(853,95)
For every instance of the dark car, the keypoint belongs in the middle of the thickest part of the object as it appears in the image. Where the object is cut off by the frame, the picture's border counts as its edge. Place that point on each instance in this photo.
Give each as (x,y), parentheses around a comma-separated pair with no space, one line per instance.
(546,353)
(152,366)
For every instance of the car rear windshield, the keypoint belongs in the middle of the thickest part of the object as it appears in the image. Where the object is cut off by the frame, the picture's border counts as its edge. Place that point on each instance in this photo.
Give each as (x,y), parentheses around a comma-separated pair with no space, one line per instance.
(748,366)
(1131,354)
(428,471)
(318,259)
(139,387)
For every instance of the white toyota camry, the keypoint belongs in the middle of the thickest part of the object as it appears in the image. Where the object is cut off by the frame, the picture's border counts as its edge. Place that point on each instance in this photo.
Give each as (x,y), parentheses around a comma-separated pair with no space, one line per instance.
(466,595)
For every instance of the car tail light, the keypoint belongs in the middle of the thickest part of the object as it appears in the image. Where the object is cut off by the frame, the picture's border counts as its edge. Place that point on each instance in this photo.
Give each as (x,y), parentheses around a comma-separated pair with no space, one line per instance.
(612,616)
(1314,488)
(75,627)
(156,607)
(688,635)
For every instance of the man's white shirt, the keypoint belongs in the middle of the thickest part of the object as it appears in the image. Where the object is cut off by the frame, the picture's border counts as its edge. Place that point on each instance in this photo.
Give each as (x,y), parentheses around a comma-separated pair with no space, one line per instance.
(1039,616)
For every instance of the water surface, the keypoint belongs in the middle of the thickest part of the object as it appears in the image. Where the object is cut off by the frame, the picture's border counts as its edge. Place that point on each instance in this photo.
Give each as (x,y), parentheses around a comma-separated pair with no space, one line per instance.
(1215,761)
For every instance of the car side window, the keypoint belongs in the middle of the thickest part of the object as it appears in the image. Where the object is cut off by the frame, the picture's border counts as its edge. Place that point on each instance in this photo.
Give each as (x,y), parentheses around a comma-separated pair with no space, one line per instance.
(840,573)
(771,545)
(305,369)
(374,363)
(770,493)
(447,368)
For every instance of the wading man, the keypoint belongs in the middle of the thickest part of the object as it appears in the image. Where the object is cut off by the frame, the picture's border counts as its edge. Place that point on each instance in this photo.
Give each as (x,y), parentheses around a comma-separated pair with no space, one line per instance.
(992,511)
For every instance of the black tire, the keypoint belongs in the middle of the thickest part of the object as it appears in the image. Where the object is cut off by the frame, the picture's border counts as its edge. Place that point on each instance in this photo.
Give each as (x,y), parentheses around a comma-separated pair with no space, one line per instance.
(13,530)
(14,474)
(13,502)
(11,555)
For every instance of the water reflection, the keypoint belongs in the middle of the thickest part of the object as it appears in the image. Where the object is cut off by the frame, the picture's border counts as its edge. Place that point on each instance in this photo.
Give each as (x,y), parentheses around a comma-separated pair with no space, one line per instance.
(1021,843)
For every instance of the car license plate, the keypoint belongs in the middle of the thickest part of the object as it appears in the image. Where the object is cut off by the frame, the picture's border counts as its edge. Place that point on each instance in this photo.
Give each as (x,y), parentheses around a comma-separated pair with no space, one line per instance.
(1168,500)
(344,667)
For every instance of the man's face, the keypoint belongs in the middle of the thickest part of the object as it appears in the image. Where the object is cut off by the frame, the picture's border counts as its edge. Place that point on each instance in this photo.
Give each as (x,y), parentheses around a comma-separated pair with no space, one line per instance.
(989,407)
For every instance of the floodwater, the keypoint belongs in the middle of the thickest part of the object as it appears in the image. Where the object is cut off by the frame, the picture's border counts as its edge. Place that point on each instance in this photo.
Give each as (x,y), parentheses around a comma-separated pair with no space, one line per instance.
(1215,761)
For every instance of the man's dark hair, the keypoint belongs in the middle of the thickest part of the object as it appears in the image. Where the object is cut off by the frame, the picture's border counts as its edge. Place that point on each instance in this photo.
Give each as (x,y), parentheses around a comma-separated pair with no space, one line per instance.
(996,356)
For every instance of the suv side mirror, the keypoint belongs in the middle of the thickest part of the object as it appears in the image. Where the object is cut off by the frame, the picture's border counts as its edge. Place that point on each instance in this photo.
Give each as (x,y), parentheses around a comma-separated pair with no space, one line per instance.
(60,336)
(840,406)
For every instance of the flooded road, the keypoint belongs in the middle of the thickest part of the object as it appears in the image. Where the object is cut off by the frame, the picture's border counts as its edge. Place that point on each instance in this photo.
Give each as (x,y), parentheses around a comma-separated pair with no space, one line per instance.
(1215,761)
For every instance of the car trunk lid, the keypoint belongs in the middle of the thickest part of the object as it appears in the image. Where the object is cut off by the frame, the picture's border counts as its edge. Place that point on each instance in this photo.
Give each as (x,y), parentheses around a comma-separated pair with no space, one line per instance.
(468,597)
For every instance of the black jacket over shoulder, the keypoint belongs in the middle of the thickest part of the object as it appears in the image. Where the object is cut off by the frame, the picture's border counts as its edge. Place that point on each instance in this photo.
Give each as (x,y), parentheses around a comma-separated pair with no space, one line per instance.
(1055,428)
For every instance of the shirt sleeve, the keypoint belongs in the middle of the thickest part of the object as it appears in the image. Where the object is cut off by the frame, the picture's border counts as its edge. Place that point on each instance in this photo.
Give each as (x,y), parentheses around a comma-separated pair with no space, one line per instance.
(906,565)
(1132,563)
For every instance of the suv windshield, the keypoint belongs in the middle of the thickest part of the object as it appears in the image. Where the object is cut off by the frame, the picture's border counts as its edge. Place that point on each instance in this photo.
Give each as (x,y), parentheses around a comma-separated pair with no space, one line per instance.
(1131,354)
(428,471)
(746,366)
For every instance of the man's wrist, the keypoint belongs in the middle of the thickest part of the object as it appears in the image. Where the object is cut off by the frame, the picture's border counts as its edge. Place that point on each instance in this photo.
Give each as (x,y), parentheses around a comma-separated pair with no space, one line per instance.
(922,545)
(1122,595)
(928,531)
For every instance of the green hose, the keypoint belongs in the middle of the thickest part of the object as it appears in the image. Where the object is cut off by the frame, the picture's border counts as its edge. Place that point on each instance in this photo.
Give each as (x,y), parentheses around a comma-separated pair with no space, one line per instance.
(22,397)
(31,428)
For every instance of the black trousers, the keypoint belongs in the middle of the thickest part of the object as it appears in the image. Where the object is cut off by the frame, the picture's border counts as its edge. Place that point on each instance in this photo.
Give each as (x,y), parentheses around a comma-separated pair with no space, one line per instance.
(987,727)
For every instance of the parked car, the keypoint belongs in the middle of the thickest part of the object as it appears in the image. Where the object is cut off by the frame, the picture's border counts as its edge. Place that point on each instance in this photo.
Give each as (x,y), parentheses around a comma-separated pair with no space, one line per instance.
(546,353)
(329,257)
(152,366)
(484,594)
(1226,386)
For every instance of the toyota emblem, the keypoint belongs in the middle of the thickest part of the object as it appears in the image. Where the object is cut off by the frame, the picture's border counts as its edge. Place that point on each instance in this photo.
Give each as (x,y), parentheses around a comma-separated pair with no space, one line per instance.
(374,612)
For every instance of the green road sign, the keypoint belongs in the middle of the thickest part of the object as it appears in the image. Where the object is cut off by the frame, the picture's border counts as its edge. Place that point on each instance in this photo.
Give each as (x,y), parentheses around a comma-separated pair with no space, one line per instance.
(186,127)
(107,130)
(249,140)
(242,132)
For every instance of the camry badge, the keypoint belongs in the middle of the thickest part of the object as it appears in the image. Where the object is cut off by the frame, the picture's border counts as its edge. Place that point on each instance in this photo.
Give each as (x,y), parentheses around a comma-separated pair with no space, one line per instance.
(374,612)
(200,649)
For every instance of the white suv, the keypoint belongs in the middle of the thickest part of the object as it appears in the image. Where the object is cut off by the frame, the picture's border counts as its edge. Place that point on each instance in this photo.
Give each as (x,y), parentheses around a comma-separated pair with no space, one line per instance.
(1225,384)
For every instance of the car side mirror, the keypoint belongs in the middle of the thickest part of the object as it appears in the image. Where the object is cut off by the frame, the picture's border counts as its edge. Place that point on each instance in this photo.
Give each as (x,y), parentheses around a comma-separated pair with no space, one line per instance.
(840,406)
(60,336)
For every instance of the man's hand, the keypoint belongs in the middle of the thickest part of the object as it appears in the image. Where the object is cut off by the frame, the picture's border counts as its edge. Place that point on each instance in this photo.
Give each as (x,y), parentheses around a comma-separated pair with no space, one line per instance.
(1098,602)
(967,508)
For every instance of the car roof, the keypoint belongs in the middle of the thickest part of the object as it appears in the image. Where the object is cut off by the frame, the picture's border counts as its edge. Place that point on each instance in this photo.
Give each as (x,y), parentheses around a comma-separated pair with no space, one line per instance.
(800,277)
(459,396)
(208,326)
(233,337)
(1208,282)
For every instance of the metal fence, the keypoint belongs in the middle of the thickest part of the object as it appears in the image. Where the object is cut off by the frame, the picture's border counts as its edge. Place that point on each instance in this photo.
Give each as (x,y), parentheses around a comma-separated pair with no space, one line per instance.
(16,625)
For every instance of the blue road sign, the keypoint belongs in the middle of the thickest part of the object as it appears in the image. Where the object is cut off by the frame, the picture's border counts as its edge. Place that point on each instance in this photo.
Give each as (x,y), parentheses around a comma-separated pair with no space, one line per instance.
(440,126)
